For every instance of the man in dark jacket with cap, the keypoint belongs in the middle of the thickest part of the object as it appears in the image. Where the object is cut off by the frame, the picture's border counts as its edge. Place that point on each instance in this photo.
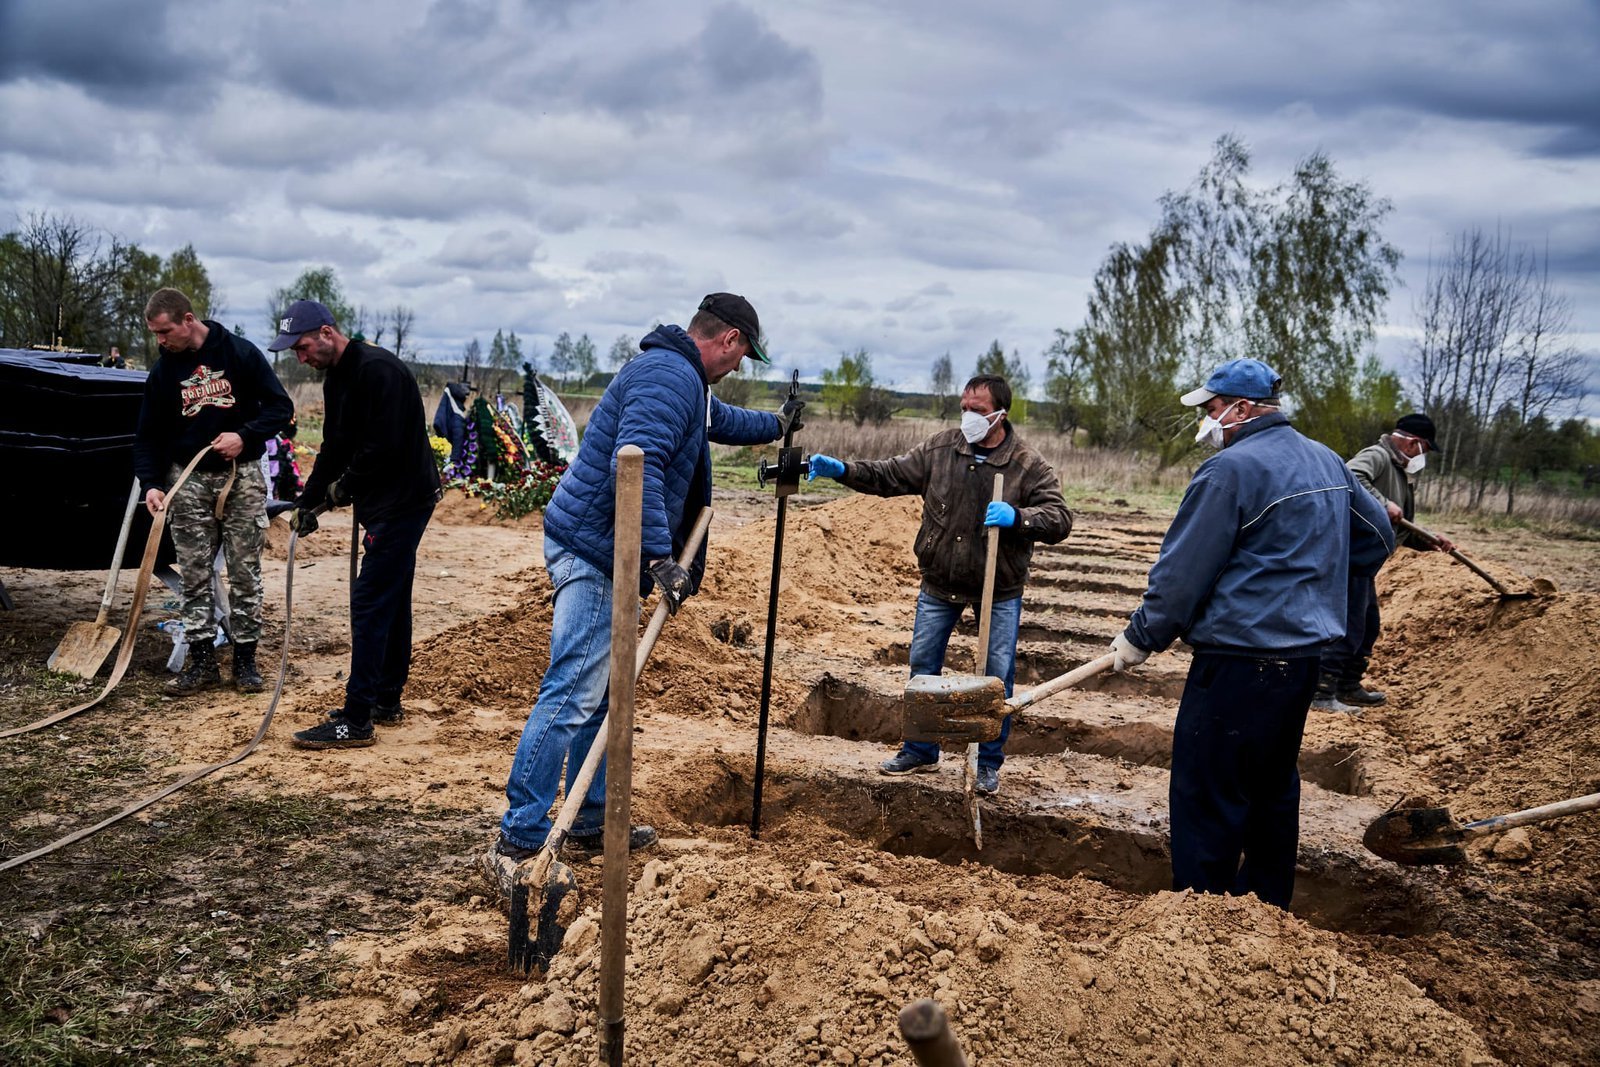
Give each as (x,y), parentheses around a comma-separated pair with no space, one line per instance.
(375,454)
(660,401)
(1385,470)
(1252,575)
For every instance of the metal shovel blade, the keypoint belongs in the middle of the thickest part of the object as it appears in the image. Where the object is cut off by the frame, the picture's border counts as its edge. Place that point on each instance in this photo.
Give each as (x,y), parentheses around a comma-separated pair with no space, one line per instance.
(953,709)
(84,648)
(540,915)
(1416,836)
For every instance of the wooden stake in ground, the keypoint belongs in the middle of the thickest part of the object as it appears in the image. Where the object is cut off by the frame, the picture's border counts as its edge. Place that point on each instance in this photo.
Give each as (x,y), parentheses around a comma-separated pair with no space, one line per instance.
(969,772)
(927,1031)
(619,749)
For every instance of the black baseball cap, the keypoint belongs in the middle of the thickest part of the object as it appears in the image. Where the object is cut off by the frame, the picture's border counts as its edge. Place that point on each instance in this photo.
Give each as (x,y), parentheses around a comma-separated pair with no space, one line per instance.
(301,317)
(1419,425)
(736,312)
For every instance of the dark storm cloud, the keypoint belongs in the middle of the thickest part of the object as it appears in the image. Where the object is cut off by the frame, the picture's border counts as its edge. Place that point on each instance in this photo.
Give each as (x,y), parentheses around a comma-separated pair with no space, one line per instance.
(115,50)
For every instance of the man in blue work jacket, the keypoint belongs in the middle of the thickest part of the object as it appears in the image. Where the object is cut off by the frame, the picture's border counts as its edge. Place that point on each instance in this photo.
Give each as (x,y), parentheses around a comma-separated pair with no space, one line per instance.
(660,401)
(1252,575)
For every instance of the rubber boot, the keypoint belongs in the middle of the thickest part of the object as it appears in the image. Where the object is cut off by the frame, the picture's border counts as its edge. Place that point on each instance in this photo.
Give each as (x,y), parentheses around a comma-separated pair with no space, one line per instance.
(246,678)
(200,672)
(1324,699)
(1351,691)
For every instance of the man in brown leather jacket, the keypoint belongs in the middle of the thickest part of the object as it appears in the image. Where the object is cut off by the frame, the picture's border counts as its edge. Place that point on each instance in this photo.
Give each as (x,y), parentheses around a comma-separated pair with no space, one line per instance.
(953,471)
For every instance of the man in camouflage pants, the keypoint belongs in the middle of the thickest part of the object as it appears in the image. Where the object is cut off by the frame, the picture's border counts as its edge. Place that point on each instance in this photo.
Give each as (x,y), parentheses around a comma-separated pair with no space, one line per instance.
(210,388)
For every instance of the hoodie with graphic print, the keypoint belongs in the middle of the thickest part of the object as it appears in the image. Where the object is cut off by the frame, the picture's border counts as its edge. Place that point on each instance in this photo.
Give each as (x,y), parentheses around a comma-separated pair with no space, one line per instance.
(224,386)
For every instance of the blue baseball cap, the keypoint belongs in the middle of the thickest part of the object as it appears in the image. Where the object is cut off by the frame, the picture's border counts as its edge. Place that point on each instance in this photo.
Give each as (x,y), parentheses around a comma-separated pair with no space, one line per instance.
(302,317)
(1250,379)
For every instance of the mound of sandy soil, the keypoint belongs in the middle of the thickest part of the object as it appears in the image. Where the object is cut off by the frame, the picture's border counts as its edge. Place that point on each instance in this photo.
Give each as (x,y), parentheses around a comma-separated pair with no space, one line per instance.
(707,662)
(456,508)
(804,951)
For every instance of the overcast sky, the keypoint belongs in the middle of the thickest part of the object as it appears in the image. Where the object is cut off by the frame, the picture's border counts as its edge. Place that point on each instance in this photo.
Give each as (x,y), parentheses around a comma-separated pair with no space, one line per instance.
(909,177)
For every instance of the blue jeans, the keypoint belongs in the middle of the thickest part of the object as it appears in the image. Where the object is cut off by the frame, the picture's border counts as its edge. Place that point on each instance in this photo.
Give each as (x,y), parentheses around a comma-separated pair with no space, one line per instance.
(380,613)
(930,637)
(572,704)
(1235,788)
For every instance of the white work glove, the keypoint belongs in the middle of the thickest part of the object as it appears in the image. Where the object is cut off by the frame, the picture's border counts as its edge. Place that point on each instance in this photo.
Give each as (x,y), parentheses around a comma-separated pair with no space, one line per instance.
(1128,654)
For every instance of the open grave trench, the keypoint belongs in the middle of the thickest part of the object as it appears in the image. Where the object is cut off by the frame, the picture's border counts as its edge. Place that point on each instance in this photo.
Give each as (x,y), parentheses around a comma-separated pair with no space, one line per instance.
(1084,788)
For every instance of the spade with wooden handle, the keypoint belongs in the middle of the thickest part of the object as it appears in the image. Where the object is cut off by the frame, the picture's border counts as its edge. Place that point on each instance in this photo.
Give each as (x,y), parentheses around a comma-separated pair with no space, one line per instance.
(85,645)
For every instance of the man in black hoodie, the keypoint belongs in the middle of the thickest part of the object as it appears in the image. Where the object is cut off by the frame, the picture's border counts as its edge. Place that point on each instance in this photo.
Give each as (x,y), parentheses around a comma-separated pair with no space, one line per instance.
(210,388)
(375,454)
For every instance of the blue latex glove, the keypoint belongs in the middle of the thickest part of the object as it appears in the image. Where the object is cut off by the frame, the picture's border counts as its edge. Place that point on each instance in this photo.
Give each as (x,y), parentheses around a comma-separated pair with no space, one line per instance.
(1000,514)
(824,467)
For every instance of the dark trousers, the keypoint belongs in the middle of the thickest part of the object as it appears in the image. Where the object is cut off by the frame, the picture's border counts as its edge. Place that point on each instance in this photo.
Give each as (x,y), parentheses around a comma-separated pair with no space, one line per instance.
(1235,791)
(1346,659)
(380,613)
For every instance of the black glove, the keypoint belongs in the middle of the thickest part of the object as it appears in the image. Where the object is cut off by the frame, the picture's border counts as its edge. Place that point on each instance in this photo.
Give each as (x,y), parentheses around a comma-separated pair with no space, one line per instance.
(303,521)
(673,581)
(789,415)
(338,494)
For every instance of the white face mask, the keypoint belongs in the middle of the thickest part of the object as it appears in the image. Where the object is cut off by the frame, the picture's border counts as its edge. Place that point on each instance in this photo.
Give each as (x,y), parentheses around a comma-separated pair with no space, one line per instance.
(975,427)
(1416,462)
(1210,431)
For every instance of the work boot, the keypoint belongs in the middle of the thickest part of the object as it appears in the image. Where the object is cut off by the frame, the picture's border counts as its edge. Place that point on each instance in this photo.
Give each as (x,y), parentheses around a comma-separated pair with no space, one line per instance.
(246,678)
(638,837)
(499,865)
(988,782)
(337,731)
(199,673)
(903,762)
(1354,694)
(1324,699)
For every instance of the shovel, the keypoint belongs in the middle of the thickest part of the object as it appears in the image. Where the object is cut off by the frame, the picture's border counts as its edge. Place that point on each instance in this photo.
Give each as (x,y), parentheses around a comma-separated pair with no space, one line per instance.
(969,766)
(86,645)
(540,908)
(956,708)
(1541,586)
(1416,836)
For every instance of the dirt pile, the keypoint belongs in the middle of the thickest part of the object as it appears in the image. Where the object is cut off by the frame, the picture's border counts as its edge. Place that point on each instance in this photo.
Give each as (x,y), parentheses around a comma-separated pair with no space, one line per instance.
(1500,700)
(707,663)
(804,952)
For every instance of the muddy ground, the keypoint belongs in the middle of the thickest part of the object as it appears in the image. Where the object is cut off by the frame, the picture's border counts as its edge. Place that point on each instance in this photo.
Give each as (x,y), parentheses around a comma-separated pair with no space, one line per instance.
(324,908)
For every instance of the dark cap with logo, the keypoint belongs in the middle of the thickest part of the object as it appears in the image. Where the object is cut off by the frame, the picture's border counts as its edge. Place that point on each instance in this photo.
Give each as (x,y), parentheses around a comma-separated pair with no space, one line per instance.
(737,312)
(302,317)
(1419,425)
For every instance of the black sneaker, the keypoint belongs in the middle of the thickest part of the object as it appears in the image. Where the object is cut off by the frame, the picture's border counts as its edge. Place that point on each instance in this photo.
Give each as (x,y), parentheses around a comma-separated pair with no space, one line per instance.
(988,781)
(388,714)
(1357,696)
(336,732)
(638,837)
(905,763)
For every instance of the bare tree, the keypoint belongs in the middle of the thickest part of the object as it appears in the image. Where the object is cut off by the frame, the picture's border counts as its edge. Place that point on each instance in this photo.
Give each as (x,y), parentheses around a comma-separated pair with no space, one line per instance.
(944,385)
(401,319)
(1546,369)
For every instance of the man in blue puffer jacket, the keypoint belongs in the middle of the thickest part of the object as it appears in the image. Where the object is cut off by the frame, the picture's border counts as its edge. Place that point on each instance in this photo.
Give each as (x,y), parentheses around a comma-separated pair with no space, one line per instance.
(1252,574)
(660,401)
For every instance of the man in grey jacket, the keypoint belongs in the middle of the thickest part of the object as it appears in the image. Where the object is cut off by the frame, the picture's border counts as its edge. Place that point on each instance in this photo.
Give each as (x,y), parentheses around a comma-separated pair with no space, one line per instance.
(953,471)
(1252,574)
(1385,470)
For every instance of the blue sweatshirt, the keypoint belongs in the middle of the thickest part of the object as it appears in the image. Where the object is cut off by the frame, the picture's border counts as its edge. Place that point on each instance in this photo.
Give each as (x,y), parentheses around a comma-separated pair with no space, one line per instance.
(1257,559)
(661,402)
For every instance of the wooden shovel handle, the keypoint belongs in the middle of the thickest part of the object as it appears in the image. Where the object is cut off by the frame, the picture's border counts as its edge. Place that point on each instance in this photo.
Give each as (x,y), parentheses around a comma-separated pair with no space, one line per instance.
(1575,806)
(986,602)
(1065,681)
(1433,539)
(116,558)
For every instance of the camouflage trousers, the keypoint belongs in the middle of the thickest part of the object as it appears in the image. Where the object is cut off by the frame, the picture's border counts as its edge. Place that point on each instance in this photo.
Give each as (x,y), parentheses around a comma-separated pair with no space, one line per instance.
(196,534)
